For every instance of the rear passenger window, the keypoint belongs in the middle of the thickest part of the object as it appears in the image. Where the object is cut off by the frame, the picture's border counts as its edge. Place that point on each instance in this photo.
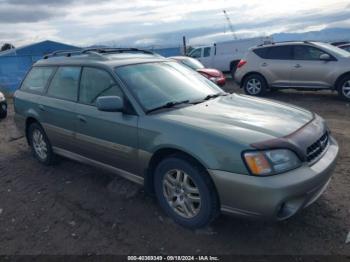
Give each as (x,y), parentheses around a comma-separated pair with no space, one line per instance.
(206,52)
(64,84)
(96,83)
(279,52)
(37,79)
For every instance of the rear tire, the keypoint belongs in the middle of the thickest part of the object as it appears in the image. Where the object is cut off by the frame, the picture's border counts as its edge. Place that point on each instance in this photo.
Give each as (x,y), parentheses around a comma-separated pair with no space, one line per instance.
(40,144)
(343,88)
(255,85)
(185,192)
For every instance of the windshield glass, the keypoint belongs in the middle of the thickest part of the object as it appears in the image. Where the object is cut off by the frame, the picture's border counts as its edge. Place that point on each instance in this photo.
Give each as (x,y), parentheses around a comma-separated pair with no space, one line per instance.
(192,63)
(338,51)
(155,84)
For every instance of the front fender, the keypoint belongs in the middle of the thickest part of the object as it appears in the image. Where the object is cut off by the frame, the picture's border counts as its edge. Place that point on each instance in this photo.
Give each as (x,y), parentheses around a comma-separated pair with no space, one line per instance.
(211,150)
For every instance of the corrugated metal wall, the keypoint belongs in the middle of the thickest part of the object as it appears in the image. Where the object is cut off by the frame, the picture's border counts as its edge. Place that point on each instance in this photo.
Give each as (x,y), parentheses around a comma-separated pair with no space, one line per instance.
(15,63)
(13,69)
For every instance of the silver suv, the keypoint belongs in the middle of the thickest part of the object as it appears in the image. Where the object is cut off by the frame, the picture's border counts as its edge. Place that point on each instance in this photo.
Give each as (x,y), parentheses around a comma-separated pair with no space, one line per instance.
(298,65)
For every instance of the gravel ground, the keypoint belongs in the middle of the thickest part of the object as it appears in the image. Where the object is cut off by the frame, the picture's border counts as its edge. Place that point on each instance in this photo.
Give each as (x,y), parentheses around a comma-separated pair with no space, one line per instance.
(72,208)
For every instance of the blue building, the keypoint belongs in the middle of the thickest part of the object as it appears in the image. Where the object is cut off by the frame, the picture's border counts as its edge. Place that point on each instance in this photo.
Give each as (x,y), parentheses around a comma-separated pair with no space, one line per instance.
(171,51)
(14,63)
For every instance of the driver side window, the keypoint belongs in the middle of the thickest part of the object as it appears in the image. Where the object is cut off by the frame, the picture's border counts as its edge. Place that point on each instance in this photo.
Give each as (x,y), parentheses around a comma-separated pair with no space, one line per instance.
(95,83)
(196,53)
(304,52)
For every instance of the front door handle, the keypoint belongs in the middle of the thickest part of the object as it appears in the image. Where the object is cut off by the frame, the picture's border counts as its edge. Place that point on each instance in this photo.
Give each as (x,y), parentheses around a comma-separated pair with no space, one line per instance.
(297,66)
(81,118)
(41,107)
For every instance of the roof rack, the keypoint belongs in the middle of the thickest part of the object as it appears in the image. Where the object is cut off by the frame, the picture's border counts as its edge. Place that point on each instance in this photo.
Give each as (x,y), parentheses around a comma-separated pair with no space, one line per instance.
(117,50)
(67,53)
(96,52)
(289,41)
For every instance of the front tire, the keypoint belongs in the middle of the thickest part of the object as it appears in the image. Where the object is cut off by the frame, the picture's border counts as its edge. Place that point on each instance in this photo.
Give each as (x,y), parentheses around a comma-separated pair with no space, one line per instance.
(255,85)
(3,110)
(40,144)
(344,88)
(185,192)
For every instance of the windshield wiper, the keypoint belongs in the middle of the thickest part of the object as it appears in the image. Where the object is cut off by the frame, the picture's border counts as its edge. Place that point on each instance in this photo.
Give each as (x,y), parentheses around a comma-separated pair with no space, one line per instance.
(168,105)
(208,97)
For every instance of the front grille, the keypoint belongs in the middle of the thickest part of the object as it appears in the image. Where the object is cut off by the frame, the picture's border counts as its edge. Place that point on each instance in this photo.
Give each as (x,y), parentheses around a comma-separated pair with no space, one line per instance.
(316,149)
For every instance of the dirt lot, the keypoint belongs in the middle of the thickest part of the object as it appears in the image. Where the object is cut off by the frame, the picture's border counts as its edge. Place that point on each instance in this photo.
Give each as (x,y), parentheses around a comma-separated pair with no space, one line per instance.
(71,208)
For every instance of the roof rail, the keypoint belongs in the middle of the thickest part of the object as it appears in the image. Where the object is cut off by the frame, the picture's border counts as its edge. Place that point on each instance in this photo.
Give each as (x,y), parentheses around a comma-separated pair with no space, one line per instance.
(97,52)
(117,50)
(67,53)
(288,41)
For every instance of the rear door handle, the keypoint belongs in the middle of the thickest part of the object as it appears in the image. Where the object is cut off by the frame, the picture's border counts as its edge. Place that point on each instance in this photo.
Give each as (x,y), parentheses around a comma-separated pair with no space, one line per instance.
(41,107)
(81,118)
(297,66)
(264,64)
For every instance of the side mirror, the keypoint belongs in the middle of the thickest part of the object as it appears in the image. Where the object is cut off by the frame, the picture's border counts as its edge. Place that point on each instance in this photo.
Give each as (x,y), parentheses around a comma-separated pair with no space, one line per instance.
(110,104)
(325,57)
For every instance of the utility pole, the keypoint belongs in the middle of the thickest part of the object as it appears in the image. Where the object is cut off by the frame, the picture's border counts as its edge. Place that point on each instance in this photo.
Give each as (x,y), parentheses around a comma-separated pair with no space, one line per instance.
(184,45)
(230,25)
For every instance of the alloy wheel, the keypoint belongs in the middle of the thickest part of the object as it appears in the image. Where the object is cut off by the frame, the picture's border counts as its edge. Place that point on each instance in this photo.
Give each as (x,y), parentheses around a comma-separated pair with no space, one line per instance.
(39,144)
(254,86)
(181,193)
(346,89)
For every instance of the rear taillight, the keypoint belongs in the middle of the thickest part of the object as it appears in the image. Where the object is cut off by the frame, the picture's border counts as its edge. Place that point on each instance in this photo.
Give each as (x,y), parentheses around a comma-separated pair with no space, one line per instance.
(241,63)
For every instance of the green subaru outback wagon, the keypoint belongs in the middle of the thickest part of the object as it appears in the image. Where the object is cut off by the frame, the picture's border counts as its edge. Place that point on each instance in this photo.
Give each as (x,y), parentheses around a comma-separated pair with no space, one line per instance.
(151,120)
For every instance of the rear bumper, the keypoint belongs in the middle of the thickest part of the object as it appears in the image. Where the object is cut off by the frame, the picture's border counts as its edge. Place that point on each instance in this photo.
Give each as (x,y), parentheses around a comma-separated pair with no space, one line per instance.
(238,77)
(275,197)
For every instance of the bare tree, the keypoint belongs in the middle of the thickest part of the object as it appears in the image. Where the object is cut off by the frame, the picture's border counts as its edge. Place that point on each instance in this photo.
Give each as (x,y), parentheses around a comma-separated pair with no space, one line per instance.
(7,46)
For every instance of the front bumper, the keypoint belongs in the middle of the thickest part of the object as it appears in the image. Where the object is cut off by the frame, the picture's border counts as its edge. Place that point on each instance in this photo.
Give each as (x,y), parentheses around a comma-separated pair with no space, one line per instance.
(275,197)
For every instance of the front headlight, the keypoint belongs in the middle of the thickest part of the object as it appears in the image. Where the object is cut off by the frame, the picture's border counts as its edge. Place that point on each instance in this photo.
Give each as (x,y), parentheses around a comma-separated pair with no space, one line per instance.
(2,97)
(271,162)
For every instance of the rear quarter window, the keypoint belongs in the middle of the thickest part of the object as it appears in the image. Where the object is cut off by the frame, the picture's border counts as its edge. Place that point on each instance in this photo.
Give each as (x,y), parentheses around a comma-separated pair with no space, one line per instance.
(37,79)
(261,52)
(283,52)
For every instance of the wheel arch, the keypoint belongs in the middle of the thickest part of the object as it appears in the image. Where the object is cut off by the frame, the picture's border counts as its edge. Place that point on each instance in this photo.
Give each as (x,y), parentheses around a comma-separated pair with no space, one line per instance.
(336,84)
(159,155)
(30,120)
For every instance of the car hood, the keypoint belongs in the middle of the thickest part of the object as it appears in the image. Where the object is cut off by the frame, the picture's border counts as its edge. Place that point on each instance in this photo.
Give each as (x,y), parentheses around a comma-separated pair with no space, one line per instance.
(253,119)
(210,71)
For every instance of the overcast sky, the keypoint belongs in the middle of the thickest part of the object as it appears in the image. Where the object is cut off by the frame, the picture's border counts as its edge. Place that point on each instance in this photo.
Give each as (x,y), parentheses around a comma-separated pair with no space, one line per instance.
(149,22)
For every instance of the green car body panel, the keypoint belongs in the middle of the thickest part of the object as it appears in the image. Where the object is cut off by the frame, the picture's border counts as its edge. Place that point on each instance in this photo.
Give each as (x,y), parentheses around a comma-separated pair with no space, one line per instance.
(215,133)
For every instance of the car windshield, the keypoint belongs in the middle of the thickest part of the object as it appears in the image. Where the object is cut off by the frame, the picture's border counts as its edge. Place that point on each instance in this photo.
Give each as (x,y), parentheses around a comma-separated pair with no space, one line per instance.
(192,63)
(158,83)
(338,51)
